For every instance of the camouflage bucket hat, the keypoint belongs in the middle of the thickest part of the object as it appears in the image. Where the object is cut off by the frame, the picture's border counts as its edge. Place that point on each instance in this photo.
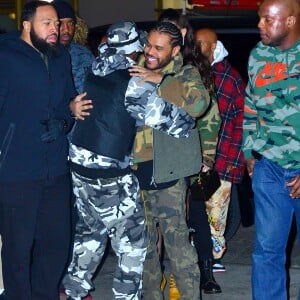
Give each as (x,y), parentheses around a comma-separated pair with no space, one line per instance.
(124,37)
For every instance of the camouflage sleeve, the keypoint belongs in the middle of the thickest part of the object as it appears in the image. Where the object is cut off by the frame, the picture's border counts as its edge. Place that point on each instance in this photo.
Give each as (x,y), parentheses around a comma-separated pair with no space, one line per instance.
(249,123)
(143,104)
(208,127)
(192,96)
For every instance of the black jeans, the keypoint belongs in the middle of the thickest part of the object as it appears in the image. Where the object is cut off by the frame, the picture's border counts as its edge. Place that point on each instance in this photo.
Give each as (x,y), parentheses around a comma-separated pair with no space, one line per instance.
(198,221)
(35,235)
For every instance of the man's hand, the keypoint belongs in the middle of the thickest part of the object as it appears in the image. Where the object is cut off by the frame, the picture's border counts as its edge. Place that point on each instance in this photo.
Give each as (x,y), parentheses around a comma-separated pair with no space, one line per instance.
(79,107)
(295,184)
(250,166)
(205,168)
(146,75)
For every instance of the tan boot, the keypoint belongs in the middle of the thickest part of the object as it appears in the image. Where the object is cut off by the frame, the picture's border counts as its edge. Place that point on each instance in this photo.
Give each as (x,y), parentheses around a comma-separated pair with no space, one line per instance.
(163,282)
(173,290)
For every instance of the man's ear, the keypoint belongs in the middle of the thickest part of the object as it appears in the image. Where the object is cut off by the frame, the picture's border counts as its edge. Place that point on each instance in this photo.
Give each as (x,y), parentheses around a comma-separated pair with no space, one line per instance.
(27,26)
(291,21)
(213,46)
(175,50)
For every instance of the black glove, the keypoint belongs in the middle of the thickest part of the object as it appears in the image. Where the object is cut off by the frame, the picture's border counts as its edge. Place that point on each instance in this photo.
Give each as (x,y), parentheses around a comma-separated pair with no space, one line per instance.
(54,129)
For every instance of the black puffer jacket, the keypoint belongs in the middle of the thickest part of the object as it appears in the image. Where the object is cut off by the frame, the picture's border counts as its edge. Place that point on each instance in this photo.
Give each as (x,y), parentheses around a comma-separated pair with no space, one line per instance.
(29,93)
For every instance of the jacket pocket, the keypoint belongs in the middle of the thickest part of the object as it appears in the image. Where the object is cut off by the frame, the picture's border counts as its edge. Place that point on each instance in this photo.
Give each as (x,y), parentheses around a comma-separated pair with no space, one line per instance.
(6,143)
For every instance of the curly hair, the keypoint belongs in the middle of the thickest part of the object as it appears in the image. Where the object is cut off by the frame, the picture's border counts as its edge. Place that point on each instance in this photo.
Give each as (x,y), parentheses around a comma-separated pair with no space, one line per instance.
(81,31)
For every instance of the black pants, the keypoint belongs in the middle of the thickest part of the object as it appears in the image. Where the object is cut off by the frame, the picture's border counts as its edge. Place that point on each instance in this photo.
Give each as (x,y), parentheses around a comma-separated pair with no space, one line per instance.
(35,235)
(198,221)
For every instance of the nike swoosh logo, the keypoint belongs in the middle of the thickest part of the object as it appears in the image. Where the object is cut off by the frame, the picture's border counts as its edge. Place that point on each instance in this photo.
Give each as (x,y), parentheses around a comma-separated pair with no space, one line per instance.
(272,72)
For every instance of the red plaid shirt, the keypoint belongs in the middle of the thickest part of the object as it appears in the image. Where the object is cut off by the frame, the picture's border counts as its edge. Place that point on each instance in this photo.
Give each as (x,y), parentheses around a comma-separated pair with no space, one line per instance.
(230,89)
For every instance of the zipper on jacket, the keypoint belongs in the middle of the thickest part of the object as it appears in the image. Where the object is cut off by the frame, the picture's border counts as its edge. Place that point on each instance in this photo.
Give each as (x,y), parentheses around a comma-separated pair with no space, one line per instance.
(6,142)
(152,182)
(48,145)
(152,177)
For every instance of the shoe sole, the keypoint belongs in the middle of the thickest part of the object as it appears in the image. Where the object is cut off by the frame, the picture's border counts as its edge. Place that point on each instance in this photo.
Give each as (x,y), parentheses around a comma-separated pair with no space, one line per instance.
(63,296)
(219,270)
(210,292)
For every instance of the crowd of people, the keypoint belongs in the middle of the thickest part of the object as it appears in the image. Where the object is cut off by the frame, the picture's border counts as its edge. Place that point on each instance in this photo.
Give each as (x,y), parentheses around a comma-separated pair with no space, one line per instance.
(87,153)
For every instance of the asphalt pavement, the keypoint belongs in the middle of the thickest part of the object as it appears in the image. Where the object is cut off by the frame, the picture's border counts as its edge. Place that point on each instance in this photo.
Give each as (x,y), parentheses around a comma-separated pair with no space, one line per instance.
(235,282)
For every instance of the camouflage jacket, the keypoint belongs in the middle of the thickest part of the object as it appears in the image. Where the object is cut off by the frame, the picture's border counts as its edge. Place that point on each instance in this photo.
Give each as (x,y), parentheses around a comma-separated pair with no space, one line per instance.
(272,105)
(182,85)
(208,127)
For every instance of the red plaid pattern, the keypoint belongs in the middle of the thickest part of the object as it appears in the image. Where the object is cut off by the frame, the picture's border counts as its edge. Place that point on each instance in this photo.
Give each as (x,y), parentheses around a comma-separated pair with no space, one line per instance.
(230,89)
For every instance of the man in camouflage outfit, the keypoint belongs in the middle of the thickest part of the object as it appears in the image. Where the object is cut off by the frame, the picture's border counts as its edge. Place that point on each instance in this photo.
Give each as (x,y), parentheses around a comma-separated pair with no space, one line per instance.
(165,199)
(107,193)
(272,142)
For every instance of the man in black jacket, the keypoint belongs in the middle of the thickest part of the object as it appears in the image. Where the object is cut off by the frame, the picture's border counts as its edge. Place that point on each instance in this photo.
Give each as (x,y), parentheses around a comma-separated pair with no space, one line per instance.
(35,90)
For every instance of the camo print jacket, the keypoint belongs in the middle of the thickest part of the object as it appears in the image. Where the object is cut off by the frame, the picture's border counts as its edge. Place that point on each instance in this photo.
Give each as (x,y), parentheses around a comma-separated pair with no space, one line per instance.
(272,105)
(182,86)
(143,104)
(208,127)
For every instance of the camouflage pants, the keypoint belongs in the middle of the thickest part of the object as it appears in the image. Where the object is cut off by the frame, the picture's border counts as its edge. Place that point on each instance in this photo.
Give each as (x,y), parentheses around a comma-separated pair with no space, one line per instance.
(217,208)
(167,207)
(108,207)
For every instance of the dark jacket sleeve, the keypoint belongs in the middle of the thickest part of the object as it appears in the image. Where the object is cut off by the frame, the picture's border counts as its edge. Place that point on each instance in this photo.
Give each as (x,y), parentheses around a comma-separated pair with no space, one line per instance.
(69,94)
(3,82)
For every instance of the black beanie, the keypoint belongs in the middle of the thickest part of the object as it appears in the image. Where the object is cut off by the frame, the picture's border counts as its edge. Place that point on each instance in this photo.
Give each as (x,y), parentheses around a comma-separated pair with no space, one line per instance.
(64,10)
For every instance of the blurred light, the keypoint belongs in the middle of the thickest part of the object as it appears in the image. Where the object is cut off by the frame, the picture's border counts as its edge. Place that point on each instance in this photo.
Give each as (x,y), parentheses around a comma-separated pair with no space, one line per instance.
(12,16)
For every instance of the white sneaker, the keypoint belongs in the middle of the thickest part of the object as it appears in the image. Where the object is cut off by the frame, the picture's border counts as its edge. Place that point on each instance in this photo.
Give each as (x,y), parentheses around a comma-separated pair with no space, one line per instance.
(217,267)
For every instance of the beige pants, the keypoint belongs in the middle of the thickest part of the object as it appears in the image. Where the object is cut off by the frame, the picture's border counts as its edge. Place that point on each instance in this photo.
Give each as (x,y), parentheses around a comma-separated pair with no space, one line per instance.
(1,282)
(217,208)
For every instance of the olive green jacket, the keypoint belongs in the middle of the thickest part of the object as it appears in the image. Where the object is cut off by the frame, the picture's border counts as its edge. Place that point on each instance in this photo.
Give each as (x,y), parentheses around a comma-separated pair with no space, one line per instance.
(182,85)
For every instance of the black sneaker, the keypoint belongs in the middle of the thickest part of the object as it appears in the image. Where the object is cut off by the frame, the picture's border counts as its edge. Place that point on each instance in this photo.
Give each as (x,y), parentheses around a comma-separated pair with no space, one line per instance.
(88,297)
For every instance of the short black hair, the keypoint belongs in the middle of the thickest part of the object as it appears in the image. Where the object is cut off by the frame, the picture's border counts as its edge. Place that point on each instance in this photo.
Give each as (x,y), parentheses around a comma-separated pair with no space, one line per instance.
(29,9)
(171,30)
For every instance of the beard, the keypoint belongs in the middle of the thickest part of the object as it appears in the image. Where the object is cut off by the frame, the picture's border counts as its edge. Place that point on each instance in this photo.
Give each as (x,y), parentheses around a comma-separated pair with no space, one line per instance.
(42,46)
(160,64)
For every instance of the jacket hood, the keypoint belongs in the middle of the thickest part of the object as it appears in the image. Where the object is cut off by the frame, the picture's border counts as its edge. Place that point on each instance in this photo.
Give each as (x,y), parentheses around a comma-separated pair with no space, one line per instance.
(174,65)
(220,53)
(276,50)
(13,39)
(10,36)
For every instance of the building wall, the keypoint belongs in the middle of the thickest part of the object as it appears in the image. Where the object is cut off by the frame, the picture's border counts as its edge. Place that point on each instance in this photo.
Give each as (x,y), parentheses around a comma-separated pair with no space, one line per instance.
(100,12)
